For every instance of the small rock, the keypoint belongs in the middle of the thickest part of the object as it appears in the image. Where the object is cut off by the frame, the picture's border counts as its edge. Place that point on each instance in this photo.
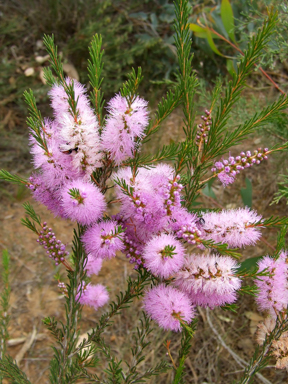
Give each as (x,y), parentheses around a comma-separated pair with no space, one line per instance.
(41,76)
(29,72)
(41,59)
(71,71)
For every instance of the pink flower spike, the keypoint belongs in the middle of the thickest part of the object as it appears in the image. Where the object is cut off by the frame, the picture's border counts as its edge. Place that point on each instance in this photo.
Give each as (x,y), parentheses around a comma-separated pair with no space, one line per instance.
(94,295)
(167,305)
(124,125)
(209,280)
(78,138)
(82,202)
(103,240)
(234,227)
(273,290)
(93,265)
(164,255)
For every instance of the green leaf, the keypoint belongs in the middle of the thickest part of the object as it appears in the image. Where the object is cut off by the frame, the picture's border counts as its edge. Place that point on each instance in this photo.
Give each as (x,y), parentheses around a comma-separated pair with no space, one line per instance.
(246,193)
(230,67)
(211,43)
(201,32)
(228,18)
(249,264)
(208,191)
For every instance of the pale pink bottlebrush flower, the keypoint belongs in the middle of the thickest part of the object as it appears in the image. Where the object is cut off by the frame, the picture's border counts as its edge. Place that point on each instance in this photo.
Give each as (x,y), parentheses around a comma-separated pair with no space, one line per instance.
(78,135)
(164,255)
(94,295)
(158,176)
(103,239)
(284,256)
(209,280)
(87,206)
(135,116)
(166,305)
(56,166)
(273,292)
(144,208)
(164,182)
(124,125)
(234,227)
(93,265)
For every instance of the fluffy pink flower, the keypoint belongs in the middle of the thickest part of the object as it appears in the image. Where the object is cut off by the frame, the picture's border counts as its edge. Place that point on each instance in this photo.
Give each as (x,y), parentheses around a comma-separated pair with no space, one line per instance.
(86,205)
(234,227)
(94,295)
(209,280)
(93,265)
(158,177)
(163,255)
(167,305)
(135,116)
(103,240)
(123,126)
(80,137)
(273,290)
(144,209)
(116,140)
(50,197)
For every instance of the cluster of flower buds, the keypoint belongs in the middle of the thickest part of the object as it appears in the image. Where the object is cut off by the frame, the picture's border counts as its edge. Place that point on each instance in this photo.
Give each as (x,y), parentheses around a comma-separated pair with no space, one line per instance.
(132,252)
(55,249)
(204,128)
(190,233)
(139,203)
(172,194)
(226,170)
(62,287)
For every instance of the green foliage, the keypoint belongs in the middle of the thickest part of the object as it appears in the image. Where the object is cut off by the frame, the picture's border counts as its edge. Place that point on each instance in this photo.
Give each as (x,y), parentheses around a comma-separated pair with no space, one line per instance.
(228,18)
(187,335)
(232,94)
(29,210)
(283,190)
(232,24)
(7,176)
(249,265)
(10,370)
(95,68)
(208,191)
(130,87)
(35,121)
(281,241)
(134,376)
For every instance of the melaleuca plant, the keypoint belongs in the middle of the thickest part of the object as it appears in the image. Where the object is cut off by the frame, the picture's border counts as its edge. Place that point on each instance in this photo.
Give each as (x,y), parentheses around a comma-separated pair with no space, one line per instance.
(183,257)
